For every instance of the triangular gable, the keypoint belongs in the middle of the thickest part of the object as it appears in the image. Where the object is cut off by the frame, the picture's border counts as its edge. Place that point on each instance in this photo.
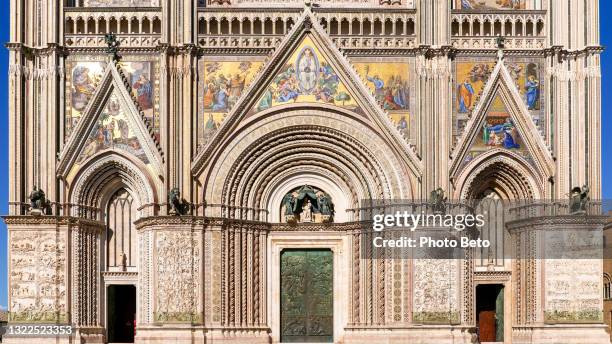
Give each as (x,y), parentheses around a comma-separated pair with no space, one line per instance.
(336,80)
(307,77)
(502,122)
(111,121)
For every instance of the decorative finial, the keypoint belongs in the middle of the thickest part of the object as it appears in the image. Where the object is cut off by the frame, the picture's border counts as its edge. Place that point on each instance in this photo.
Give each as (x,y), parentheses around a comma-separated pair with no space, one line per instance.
(307,24)
(309,4)
(501,45)
(112,45)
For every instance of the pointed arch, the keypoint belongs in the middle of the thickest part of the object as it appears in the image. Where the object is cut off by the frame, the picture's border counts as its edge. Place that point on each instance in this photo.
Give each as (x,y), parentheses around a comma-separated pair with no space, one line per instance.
(502,171)
(323,144)
(102,176)
(113,84)
(308,26)
(501,85)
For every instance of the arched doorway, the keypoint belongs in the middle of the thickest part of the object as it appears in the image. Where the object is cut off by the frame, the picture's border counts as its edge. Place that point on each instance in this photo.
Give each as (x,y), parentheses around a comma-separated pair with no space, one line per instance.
(114,190)
(494,183)
(302,153)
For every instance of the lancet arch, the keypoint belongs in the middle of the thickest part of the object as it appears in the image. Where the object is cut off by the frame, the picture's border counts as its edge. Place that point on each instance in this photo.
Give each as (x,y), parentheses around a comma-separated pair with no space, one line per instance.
(102,176)
(506,173)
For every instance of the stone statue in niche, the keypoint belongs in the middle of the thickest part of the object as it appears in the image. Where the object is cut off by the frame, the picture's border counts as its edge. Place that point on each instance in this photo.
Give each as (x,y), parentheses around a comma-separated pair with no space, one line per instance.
(307,204)
(289,204)
(177,205)
(38,201)
(325,206)
(579,199)
(306,215)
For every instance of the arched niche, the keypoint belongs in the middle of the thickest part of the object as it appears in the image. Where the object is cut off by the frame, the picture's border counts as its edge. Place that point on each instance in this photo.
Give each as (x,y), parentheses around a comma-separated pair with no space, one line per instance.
(338,193)
(326,146)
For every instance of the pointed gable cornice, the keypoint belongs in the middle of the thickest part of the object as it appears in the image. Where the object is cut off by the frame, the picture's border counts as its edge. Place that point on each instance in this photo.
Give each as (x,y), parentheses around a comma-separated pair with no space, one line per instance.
(501,83)
(113,80)
(306,24)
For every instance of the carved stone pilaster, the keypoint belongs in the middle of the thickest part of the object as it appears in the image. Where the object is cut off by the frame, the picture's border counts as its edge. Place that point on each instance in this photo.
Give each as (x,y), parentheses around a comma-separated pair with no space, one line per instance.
(85,268)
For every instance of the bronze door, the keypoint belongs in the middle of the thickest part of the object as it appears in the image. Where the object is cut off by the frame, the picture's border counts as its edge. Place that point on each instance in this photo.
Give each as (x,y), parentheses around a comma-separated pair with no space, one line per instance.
(307,296)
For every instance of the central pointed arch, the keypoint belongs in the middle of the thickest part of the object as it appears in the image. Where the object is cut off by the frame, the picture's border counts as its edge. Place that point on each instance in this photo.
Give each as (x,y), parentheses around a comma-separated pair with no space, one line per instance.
(322,144)
(308,28)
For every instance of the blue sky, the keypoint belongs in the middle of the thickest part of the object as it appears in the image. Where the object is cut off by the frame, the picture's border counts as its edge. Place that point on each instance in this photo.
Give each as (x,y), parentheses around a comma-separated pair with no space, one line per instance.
(606,40)
(4,182)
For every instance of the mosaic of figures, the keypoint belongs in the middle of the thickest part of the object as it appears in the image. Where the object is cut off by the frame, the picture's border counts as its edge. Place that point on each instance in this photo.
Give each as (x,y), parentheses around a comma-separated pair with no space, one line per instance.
(37,280)
(491,4)
(84,77)
(389,82)
(527,75)
(112,131)
(81,83)
(498,131)
(471,78)
(307,77)
(145,87)
(221,83)
(121,3)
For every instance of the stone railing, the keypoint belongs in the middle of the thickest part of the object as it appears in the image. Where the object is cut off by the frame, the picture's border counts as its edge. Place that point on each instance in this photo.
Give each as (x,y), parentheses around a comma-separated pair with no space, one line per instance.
(125,40)
(361,42)
(239,41)
(533,209)
(259,28)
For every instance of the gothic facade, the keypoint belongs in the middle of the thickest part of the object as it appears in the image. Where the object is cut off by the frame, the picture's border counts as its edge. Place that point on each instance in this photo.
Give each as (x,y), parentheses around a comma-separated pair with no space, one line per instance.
(200,175)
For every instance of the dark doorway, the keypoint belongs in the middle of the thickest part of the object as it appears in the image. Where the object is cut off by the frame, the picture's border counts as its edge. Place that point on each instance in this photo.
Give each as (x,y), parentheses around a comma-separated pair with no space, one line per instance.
(490,312)
(121,313)
(307,313)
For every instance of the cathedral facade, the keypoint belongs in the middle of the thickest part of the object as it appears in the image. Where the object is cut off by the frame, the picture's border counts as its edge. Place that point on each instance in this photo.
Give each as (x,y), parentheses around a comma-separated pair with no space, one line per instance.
(191,171)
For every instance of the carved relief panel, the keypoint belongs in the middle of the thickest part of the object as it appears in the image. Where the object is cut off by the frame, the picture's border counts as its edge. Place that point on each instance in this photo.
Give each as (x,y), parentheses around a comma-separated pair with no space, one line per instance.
(436,291)
(177,276)
(573,277)
(37,276)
